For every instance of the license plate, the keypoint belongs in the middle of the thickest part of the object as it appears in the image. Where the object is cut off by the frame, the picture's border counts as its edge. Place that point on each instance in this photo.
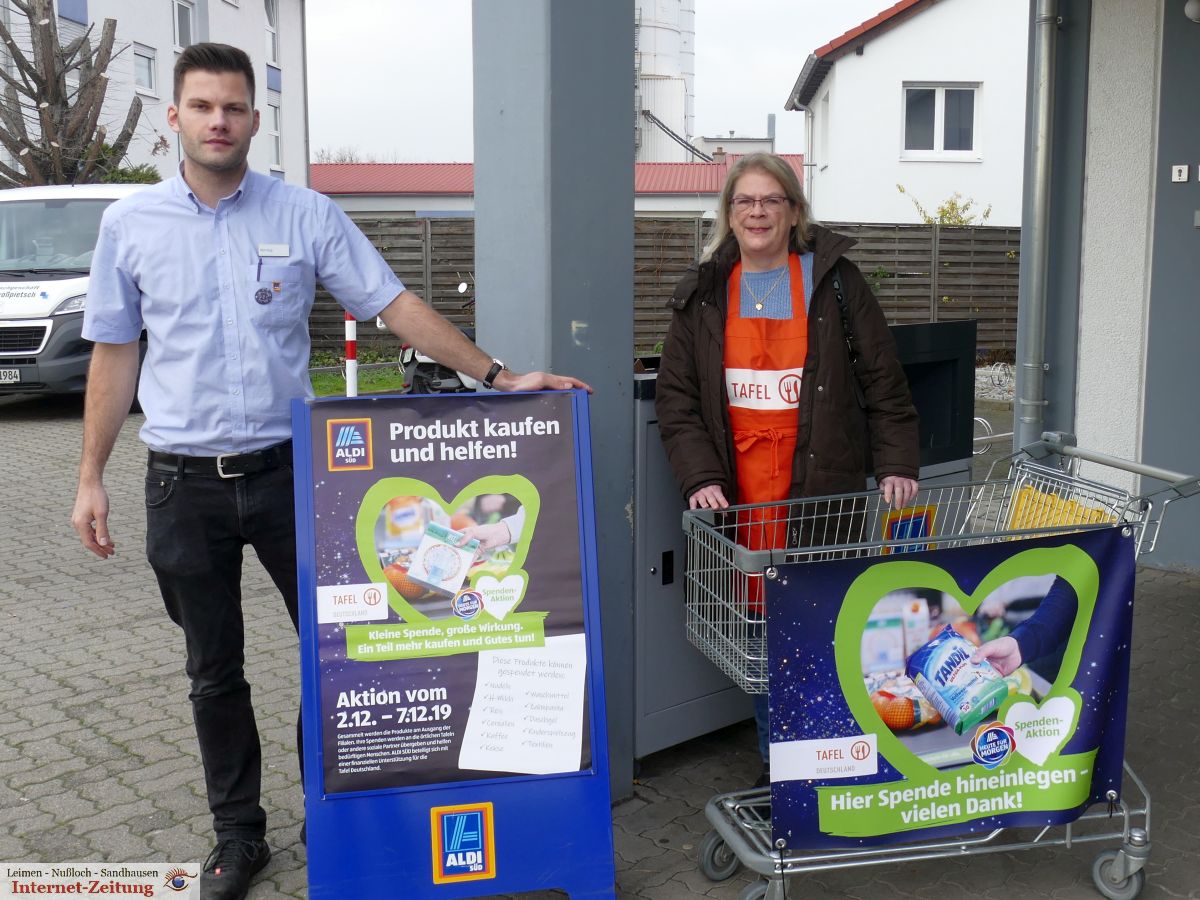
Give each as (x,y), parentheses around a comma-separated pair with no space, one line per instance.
(10,376)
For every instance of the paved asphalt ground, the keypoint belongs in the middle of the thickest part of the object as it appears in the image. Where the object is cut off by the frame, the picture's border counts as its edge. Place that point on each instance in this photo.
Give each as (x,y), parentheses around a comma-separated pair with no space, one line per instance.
(98,760)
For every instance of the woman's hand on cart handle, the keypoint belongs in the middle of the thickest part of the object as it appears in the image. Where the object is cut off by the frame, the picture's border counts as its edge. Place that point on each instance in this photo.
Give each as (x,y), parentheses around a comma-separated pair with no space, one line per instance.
(708,497)
(1004,653)
(898,491)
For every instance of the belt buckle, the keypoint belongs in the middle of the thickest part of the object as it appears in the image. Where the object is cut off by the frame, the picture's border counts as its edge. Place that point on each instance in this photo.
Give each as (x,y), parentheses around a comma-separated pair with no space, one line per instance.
(221,466)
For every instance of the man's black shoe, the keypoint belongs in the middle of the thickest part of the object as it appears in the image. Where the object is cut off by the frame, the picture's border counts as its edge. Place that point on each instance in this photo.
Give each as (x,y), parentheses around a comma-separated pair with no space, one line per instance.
(230,866)
(764,777)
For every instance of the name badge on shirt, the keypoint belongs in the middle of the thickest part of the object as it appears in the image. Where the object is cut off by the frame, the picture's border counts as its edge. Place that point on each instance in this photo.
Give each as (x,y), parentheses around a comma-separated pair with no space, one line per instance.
(274,250)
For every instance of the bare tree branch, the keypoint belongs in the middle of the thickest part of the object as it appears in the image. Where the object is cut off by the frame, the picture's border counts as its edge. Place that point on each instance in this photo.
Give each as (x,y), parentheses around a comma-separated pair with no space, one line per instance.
(10,177)
(12,117)
(15,52)
(88,166)
(12,146)
(91,100)
(17,85)
(121,145)
(56,135)
(43,36)
(25,158)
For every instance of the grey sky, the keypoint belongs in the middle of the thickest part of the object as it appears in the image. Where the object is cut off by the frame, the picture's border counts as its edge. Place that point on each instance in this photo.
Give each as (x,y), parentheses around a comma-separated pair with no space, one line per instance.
(392,78)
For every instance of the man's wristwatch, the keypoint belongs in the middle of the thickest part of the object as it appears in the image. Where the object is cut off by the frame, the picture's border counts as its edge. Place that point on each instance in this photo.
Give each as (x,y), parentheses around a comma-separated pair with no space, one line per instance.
(493,372)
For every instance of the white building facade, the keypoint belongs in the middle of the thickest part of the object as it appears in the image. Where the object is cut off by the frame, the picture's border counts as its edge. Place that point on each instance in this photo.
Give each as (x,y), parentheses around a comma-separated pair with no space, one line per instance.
(929,95)
(1139,261)
(151,33)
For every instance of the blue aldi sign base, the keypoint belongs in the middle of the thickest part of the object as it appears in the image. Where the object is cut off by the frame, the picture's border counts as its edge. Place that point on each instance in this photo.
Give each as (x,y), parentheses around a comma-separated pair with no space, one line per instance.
(552,833)
(455,743)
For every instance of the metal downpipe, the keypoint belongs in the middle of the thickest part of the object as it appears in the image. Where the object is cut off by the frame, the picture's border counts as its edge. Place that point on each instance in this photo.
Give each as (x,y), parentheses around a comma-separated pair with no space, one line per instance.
(1031,337)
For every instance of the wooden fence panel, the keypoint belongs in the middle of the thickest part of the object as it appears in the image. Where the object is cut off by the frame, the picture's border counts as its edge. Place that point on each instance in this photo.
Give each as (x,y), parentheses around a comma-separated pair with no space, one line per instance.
(663,248)
(895,260)
(920,273)
(978,276)
(452,262)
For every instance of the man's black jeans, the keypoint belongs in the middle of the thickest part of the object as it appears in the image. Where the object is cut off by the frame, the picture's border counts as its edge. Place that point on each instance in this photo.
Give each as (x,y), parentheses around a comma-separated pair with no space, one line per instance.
(196,528)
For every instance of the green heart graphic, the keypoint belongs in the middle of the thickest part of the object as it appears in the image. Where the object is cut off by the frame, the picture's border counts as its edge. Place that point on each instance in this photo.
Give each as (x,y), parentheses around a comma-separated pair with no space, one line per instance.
(519,487)
(1069,562)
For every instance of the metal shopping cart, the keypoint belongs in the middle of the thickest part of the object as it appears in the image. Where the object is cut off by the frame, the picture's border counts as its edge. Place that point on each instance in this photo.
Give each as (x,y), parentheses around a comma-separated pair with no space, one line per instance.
(1051,487)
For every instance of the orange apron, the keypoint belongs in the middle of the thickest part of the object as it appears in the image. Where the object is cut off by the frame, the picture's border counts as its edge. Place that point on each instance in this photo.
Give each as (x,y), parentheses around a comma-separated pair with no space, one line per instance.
(764,365)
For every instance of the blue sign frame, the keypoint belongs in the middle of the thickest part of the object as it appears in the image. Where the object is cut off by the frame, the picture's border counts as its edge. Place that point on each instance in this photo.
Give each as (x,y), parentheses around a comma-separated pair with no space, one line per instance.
(466,838)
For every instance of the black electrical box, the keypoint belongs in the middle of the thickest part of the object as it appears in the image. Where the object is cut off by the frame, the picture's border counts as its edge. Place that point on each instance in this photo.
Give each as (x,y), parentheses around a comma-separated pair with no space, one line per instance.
(939,360)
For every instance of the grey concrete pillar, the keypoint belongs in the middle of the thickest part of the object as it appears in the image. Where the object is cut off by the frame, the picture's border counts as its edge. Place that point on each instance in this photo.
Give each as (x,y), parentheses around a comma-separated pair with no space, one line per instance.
(554,254)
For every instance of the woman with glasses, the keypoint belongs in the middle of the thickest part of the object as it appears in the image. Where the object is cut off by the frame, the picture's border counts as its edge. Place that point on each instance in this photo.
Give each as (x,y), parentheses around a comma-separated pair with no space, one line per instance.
(769,388)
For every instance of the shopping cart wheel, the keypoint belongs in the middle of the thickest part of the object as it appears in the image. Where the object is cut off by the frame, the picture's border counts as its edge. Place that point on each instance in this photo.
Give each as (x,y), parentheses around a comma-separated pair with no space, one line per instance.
(717,861)
(755,891)
(1127,889)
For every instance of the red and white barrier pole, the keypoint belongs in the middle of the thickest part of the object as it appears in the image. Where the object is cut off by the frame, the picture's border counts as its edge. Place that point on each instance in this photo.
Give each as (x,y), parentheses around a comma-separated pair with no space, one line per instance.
(351,356)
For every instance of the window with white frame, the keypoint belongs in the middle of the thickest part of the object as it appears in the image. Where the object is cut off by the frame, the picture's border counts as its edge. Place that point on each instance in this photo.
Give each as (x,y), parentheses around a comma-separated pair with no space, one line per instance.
(144,69)
(184,21)
(939,121)
(272,10)
(275,130)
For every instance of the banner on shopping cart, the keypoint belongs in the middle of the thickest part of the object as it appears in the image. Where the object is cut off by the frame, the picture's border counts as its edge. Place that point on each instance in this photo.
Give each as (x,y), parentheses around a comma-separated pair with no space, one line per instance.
(453,692)
(948,691)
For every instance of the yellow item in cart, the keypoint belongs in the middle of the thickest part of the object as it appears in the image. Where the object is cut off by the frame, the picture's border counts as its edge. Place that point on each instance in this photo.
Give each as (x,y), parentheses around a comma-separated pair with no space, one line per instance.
(1033,509)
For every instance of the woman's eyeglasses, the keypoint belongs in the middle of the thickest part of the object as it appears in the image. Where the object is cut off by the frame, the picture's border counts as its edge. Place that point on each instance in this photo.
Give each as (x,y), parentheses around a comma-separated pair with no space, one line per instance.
(773,203)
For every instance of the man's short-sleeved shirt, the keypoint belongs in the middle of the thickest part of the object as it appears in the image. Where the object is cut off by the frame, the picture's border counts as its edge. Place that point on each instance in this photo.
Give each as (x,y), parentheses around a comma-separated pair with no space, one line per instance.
(224,296)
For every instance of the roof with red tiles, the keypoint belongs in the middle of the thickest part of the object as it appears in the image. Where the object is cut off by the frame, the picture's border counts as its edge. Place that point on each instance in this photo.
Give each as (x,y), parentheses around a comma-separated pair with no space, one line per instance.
(459,178)
(392,178)
(888,17)
(822,59)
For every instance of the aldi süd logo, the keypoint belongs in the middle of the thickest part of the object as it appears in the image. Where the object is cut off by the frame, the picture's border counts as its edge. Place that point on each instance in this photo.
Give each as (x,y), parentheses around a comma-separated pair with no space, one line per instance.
(349,442)
(464,843)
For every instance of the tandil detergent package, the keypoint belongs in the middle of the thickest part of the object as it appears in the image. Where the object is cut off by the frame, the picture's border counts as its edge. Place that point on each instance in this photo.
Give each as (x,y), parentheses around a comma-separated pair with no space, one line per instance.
(965,693)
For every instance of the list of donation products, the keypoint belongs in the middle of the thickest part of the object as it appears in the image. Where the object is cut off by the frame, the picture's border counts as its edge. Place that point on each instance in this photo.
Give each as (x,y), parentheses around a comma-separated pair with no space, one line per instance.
(527,715)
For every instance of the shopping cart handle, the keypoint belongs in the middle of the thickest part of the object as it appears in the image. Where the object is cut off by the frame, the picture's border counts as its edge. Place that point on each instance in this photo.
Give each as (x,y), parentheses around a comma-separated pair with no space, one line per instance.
(1063,443)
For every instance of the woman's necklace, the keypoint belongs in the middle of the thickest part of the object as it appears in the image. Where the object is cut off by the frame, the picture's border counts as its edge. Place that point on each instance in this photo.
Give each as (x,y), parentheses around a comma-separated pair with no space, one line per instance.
(759,299)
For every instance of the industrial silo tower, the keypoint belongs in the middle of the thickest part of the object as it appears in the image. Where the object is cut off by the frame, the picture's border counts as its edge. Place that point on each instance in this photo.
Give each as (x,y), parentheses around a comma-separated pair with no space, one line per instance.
(664,80)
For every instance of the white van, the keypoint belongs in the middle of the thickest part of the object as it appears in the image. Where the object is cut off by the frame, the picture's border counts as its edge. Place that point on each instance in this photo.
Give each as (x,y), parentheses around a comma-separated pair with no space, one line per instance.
(47,235)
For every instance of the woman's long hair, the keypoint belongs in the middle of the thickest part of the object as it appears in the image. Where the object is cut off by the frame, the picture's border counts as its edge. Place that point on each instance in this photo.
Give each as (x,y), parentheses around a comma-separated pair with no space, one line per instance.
(768,164)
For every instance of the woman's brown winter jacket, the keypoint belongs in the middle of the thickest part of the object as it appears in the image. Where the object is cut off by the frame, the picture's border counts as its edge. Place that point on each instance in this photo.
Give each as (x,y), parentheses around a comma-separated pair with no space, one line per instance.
(839,435)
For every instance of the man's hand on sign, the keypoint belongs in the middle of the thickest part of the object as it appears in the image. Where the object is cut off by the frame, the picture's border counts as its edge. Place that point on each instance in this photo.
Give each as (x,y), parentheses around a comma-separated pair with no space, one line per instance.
(537,381)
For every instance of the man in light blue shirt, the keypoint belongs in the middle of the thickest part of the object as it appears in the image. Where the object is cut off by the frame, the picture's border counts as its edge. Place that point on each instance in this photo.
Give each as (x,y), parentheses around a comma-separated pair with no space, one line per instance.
(219,266)
(248,268)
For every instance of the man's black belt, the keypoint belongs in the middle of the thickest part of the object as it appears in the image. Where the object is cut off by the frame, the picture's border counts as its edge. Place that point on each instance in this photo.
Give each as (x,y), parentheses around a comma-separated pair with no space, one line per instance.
(227,465)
